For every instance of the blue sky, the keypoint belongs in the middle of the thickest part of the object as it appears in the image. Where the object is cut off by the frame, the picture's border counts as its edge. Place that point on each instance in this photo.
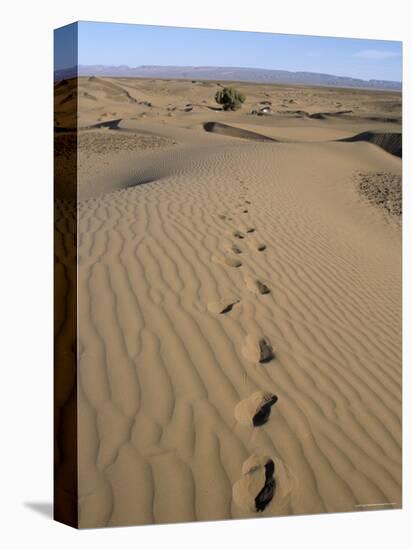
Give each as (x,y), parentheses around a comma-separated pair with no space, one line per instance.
(133,45)
(65,46)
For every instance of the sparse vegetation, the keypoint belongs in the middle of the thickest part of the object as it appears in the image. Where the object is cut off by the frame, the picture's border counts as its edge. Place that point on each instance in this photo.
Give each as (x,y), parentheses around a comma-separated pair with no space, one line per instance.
(382,189)
(230,98)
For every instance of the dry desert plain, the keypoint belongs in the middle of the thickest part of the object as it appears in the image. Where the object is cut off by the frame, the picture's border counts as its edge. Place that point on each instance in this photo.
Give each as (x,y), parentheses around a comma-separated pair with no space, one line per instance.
(239,299)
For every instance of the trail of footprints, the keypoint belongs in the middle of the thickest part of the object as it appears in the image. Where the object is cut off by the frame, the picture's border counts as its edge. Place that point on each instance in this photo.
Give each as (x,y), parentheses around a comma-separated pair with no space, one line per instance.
(256,487)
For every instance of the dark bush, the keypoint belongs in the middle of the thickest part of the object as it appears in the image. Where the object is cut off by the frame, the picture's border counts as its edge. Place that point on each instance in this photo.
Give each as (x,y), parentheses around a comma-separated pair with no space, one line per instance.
(230,98)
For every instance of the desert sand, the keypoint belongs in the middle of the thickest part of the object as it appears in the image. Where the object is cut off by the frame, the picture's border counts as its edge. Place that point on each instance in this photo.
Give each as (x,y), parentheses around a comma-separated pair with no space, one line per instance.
(239,300)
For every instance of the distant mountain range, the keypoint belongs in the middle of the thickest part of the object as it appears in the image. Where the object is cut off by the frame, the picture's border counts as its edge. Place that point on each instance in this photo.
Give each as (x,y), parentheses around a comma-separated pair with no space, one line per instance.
(241,74)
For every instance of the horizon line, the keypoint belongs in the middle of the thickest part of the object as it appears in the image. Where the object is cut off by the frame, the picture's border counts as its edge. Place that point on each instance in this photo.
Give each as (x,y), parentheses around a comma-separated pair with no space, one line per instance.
(230,67)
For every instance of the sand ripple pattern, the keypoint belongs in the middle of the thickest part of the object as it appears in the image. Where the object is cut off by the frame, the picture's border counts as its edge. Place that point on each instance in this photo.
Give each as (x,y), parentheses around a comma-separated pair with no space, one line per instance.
(161,370)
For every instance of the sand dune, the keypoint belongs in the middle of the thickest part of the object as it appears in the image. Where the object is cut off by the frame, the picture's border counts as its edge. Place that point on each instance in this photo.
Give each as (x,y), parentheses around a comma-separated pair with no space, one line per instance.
(239,312)
(389,141)
(232,131)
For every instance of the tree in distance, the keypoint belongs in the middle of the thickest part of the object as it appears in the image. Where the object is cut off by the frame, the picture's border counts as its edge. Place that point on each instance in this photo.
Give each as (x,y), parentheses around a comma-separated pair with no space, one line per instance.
(230,98)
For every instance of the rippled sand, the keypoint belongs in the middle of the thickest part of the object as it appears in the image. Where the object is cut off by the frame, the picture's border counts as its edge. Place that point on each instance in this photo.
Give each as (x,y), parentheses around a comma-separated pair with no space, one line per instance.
(239,304)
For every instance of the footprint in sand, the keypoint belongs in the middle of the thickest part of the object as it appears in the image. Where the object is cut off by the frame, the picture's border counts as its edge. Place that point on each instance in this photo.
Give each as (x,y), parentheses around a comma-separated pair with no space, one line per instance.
(261,247)
(235,249)
(255,410)
(250,230)
(258,349)
(257,486)
(256,286)
(248,202)
(222,306)
(245,211)
(238,235)
(224,217)
(227,260)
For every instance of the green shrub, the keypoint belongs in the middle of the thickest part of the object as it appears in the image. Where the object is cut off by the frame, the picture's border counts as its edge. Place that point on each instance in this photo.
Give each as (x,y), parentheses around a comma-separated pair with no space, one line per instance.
(230,98)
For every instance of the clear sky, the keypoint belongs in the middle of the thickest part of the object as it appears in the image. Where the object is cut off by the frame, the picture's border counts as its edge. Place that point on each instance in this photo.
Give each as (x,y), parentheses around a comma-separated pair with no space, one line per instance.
(134,45)
(65,47)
